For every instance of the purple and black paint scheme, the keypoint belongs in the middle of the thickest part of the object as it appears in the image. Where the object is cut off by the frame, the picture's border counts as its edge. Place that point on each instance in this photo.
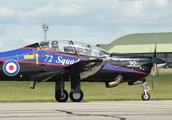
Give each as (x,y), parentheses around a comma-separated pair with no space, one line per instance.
(65,60)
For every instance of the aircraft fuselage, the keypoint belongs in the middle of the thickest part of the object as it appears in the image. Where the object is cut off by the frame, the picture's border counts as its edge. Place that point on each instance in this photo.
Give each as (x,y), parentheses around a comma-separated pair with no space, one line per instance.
(42,62)
(61,60)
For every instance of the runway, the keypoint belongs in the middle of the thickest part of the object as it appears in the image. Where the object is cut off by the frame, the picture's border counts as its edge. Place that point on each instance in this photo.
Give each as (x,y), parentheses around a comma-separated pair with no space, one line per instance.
(106,110)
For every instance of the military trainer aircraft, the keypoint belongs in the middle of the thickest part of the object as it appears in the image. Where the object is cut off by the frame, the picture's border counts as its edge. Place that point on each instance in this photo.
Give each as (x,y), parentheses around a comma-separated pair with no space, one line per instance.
(66,60)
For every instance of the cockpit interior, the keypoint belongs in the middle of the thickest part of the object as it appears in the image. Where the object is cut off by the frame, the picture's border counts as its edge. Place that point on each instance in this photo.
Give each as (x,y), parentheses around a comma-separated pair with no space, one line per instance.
(72,47)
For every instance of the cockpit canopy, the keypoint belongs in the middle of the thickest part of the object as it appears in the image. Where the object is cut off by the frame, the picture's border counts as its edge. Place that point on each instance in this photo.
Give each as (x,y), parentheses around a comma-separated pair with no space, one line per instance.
(72,47)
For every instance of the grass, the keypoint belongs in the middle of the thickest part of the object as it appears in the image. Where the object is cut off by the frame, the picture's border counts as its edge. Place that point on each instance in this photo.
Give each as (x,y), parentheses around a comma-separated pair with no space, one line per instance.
(44,92)
(162,90)
(165,71)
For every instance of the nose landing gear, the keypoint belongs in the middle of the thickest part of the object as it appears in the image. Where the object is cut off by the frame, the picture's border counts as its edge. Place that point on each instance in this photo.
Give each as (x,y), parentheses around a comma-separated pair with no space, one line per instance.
(145,96)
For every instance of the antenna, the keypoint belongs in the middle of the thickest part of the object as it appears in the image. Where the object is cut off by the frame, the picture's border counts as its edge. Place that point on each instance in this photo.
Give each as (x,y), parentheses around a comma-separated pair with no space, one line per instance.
(45,29)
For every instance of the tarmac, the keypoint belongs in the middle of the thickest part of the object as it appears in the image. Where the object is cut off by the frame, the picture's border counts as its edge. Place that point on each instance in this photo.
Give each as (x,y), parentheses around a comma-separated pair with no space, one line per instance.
(98,110)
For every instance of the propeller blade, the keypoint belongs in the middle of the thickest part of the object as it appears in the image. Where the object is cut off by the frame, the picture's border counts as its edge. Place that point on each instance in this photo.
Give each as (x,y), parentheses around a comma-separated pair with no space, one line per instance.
(154,65)
(153,83)
(153,74)
(157,72)
(154,55)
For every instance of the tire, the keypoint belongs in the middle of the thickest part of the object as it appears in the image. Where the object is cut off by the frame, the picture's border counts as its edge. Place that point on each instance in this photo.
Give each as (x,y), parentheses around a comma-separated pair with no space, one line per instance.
(76,97)
(145,97)
(59,98)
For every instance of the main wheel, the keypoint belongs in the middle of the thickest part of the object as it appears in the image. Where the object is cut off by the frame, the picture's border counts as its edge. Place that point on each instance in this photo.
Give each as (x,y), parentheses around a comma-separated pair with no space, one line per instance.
(76,97)
(61,98)
(145,97)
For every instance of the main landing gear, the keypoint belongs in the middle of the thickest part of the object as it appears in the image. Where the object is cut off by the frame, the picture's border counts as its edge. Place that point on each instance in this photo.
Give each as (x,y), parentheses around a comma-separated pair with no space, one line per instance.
(145,96)
(61,95)
(76,94)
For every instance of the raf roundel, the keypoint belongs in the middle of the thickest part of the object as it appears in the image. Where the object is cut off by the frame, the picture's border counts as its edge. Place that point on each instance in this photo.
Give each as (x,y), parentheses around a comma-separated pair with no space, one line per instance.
(11,67)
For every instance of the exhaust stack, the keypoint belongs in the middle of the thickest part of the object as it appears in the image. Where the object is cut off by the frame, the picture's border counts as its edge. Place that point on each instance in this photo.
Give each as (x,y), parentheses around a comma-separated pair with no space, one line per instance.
(114,83)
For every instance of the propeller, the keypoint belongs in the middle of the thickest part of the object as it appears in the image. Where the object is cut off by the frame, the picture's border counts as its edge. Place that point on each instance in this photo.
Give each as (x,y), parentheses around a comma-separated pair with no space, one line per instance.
(153,74)
(154,66)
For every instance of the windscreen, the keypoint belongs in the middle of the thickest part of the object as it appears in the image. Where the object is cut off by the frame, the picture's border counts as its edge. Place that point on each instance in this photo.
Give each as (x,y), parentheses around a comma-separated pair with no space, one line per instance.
(73,47)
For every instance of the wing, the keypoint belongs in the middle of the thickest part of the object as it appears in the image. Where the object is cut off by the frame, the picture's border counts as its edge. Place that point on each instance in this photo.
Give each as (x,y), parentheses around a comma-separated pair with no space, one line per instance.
(85,68)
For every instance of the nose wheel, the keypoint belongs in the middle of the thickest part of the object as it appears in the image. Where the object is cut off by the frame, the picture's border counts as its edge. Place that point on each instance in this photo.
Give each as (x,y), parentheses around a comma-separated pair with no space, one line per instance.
(145,96)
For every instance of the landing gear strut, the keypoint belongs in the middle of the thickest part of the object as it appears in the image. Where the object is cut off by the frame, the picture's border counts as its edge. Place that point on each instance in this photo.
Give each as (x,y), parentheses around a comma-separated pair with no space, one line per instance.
(76,94)
(145,96)
(61,95)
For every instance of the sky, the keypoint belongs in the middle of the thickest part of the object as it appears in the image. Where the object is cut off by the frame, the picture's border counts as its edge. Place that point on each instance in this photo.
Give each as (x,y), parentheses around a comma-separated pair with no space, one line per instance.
(89,21)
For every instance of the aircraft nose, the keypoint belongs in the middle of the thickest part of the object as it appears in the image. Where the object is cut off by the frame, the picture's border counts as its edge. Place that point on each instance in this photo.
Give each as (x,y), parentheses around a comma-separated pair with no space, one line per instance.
(159,62)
